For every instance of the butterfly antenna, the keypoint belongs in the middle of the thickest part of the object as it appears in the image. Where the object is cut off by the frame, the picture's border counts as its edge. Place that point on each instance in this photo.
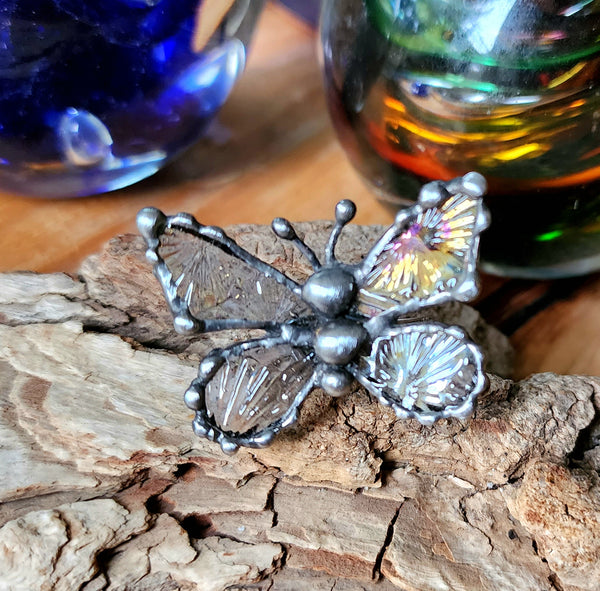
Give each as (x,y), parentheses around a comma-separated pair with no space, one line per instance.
(345,210)
(285,230)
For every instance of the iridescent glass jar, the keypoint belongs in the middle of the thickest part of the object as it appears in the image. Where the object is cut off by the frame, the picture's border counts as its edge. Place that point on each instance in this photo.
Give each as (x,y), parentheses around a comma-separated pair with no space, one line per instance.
(431,89)
(95,95)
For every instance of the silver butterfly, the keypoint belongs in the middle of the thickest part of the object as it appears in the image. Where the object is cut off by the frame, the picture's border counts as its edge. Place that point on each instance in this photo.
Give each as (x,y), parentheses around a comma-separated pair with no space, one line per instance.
(246,393)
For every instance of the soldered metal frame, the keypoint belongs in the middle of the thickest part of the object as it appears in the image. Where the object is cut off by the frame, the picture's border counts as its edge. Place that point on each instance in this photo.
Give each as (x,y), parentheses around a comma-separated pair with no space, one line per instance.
(331,294)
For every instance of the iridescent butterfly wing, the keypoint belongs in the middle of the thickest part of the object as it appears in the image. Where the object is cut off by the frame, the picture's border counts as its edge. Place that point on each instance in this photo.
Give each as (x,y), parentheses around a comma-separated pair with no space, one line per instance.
(428,256)
(246,393)
(425,371)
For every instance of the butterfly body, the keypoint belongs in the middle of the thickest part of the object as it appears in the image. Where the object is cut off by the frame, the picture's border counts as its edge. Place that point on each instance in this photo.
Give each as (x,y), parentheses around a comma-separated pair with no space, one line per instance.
(355,329)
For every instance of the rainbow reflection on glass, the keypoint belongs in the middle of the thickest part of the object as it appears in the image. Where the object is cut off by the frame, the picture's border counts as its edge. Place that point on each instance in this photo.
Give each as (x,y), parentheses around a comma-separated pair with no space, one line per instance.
(427,258)
(429,89)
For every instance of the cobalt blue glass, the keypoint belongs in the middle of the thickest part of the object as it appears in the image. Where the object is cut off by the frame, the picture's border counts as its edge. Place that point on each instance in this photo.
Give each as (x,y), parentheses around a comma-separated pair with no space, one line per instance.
(98,95)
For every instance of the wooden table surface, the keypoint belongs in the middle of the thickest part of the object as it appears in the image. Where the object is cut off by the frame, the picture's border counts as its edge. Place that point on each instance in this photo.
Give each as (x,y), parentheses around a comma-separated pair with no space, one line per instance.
(273,153)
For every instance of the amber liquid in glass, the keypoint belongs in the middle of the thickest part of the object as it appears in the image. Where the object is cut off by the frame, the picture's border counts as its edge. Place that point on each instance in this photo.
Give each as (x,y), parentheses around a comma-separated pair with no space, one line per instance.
(531,127)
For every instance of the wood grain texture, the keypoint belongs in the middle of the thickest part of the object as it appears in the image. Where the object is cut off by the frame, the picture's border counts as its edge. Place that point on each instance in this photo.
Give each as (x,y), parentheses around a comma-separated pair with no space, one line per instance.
(107,488)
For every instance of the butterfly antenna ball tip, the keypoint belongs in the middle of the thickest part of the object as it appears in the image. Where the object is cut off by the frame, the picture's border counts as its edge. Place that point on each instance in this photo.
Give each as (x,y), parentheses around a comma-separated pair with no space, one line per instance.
(284,229)
(345,210)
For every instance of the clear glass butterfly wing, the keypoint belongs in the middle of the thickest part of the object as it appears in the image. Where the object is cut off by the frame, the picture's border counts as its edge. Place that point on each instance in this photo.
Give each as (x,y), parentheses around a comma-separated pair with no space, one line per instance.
(425,371)
(203,278)
(191,262)
(255,393)
(427,257)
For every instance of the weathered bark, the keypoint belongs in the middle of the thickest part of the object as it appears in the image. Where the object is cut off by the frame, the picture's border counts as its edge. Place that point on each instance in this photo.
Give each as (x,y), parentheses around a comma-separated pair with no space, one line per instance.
(105,487)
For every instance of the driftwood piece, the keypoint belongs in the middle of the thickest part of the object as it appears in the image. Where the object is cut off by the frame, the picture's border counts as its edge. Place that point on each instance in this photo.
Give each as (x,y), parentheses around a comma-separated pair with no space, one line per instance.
(105,487)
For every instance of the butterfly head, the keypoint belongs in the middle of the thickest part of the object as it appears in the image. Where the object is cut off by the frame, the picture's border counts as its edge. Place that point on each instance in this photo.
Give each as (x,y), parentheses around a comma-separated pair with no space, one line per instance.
(330,291)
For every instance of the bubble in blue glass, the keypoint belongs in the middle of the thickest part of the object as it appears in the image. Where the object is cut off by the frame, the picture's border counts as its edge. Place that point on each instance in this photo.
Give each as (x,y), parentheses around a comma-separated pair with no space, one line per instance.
(84,139)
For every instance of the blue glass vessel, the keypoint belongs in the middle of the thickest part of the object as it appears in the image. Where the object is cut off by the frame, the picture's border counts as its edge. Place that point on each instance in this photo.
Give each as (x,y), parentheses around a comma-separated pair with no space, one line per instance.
(98,95)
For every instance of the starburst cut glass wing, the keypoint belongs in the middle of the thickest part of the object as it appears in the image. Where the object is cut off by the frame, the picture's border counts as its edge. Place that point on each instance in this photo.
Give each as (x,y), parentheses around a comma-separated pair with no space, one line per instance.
(254,393)
(428,256)
(205,275)
(425,371)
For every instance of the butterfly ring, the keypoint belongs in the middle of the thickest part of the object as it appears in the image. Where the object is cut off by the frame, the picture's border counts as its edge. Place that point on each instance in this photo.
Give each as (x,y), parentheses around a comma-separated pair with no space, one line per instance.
(356,329)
